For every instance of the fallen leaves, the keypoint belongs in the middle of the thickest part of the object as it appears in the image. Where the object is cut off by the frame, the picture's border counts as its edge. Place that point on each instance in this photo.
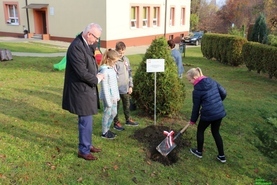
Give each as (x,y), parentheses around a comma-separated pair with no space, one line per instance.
(52,167)
(2,176)
(148,162)
(115,167)
(2,156)
(80,179)
(256,170)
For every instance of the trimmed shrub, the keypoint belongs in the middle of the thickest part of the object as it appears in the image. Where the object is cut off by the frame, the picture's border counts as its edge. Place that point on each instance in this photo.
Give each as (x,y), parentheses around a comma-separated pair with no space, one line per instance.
(272,40)
(224,48)
(260,57)
(170,90)
(250,55)
(270,61)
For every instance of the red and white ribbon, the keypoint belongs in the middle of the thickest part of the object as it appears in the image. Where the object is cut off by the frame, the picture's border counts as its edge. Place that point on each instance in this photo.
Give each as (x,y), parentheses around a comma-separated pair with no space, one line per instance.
(169,138)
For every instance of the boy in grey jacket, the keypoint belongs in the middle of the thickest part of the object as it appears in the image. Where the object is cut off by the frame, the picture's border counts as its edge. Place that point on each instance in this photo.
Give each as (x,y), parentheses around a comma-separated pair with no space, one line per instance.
(125,86)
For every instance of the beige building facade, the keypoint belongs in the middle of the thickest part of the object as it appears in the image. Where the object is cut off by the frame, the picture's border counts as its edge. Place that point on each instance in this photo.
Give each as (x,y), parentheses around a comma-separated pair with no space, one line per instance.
(135,22)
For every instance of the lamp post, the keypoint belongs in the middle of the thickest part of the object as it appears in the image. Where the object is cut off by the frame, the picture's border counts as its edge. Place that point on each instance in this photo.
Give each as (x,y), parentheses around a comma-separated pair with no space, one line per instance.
(165,16)
(27,14)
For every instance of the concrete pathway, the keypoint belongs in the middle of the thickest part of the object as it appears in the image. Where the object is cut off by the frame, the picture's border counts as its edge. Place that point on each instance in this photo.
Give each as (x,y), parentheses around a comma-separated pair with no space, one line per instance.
(23,54)
(129,50)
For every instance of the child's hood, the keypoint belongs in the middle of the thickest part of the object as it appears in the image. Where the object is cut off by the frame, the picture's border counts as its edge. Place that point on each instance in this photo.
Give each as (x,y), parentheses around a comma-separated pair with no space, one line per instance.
(121,59)
(103,67)
(204,84)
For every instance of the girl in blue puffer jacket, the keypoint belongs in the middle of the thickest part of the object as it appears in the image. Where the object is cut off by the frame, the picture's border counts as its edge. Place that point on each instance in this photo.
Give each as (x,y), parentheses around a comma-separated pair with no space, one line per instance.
(207,98)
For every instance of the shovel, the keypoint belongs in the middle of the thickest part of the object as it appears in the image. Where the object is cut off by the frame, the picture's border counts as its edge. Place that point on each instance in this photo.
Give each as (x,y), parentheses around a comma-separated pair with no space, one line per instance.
(165,147)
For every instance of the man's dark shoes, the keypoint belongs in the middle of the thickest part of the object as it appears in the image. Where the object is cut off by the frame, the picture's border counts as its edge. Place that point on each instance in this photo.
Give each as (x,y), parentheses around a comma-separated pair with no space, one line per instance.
(88,157)
(94,149)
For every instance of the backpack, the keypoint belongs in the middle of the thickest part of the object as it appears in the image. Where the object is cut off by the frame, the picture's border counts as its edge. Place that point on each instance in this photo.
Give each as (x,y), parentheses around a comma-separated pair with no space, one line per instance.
(5,55)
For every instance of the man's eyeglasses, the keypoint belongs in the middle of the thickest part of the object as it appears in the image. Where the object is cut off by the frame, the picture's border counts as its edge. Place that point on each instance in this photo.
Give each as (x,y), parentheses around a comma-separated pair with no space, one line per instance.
(97,39)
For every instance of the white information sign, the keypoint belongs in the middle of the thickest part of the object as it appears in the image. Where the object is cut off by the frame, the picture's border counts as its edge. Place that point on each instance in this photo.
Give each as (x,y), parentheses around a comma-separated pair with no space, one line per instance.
(154,65)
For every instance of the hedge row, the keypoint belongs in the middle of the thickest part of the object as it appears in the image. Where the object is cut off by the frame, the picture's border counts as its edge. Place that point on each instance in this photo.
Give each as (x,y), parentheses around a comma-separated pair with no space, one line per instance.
(235,51)
(260,57)
(224,48)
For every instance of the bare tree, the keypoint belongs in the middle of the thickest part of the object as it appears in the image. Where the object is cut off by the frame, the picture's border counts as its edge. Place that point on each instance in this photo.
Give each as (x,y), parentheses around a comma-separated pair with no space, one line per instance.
(270,11)
(208,19)
(238,13)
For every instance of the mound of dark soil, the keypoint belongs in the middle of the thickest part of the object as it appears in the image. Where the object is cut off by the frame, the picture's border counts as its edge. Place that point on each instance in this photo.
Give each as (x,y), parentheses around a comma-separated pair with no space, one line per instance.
(152,136)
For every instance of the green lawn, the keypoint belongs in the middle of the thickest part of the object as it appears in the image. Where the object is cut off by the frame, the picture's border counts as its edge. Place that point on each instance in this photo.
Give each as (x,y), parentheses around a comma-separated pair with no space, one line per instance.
(31,47)
(38,140)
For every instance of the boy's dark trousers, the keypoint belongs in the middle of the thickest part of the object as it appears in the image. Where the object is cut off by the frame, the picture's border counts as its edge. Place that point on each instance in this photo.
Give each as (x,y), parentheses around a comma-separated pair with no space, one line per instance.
(126,107)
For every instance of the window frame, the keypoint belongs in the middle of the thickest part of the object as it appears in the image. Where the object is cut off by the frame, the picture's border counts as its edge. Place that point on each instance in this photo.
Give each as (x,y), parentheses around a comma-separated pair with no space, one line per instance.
(145,16)
(172,16)
(156,16)
(11,18)
(134,17)
(183,16)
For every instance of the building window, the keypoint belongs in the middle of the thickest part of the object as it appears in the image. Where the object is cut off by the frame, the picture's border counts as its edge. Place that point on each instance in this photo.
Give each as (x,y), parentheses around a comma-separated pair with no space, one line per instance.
(172,18)
(183,11)
(145,18)
(12,14)
(134,17)
(156,15)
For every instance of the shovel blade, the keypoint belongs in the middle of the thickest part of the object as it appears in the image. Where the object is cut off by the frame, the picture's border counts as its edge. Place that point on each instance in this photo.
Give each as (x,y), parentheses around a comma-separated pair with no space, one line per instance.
(164,148)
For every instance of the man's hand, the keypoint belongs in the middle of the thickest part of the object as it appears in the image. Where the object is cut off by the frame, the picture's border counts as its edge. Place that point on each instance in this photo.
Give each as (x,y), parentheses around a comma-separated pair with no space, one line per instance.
(100,76)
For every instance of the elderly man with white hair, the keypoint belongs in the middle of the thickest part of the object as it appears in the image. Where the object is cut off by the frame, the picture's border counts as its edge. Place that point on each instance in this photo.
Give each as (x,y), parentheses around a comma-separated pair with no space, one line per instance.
(80,93)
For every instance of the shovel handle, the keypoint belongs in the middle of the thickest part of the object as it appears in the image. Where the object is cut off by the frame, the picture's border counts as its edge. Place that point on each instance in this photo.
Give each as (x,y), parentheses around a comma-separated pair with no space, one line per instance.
(183,130)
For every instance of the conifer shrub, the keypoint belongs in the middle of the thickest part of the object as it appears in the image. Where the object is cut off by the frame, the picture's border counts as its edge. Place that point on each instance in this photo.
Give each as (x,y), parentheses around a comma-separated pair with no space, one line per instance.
(170,90)
(259,32)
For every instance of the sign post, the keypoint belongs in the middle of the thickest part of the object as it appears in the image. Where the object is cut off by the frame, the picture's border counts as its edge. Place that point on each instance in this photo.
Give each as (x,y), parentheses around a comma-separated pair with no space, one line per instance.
(154,66)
